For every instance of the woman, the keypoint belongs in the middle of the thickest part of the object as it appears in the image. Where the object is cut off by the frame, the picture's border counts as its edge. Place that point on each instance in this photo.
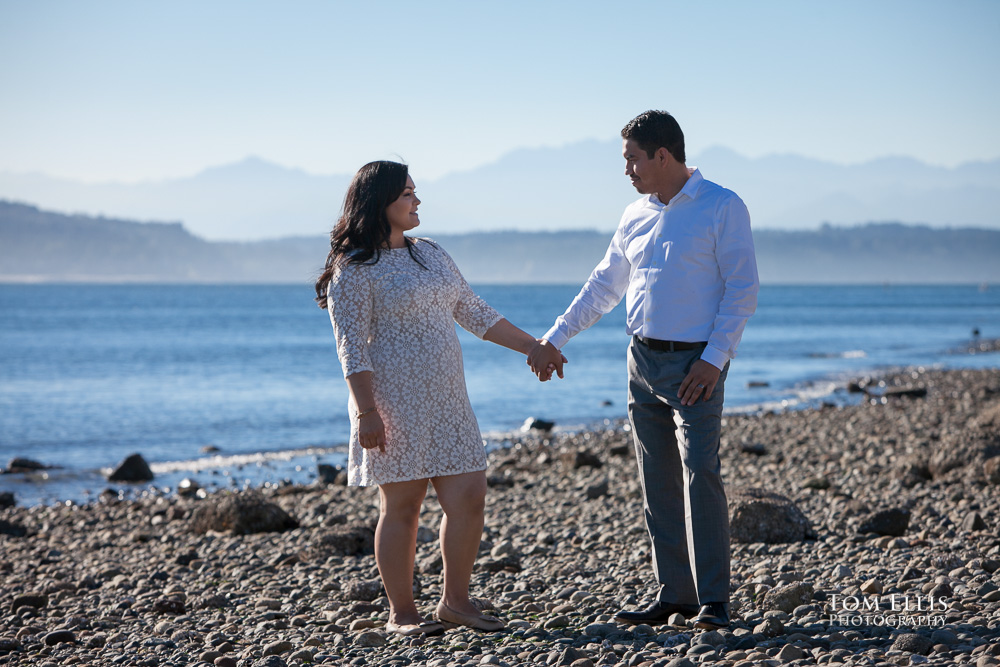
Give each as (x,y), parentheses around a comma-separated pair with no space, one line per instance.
(393,301)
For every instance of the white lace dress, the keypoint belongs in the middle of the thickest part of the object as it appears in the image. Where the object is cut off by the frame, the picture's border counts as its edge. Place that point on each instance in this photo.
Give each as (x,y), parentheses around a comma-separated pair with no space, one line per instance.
(397,319)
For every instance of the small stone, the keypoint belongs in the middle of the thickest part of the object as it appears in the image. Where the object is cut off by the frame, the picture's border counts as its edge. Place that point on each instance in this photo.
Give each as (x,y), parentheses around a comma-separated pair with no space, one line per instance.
(913,643)
(302,655)
(225,661)
(711,637)
(973,522)
(842,572)
(364,591)
(7,499)
(600,629)
(598,490)
(560,621)
(168,606)
(210,656)
(504,549)
(36,600)
(363,624)
(771,627)
(818,483)
(59,637)
(789,652)
(892,522)
(278,647)
(677,620)
(944,636)
(582,662)
(370,640)
(872,587)
(786,598)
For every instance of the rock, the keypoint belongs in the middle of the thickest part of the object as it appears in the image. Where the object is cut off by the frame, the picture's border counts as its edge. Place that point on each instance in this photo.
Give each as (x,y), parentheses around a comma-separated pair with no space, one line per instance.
(370,640)
(225,661)
(241,513)
(944,636)
(570,656)
(269,661)
(755,449)
(364,591)
(770,627)
(991,468)
(756,515)
(503,549)
(789,652)
(8,644)
(892,522)
(677,620)
(329,474)
(973,521)
(818,483)
(35,600)
(22,465)
(913,643)
(278,647)
(12,529)
(971,447)
(352,539)
(7,499)
(59,637)
(188,488)
(600,629)
(582,662)
(580,459)
(786,598)
(871,587)
(681,662)
(711,637)
(168,606)
(555,622)
(597,490)
(536,424)
(133,469)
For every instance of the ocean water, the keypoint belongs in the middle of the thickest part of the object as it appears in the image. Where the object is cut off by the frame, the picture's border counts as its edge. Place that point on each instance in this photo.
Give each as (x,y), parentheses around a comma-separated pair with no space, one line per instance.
(92,373)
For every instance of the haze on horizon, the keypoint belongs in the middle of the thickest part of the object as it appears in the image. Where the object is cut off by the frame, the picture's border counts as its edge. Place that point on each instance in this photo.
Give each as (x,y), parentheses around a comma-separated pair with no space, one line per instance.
(116,91)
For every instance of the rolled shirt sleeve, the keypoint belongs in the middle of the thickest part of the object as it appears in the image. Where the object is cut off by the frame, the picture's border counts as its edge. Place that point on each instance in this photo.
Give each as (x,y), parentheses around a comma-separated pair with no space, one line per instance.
(603,291)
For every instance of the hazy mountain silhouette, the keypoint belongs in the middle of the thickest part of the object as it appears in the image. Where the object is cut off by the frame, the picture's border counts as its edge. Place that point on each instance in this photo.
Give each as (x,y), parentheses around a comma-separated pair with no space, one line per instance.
(39,246)
(578,186)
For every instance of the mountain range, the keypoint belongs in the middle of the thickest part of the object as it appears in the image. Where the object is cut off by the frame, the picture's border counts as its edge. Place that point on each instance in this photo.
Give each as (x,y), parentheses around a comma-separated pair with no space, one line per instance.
(43,246)
(578,186)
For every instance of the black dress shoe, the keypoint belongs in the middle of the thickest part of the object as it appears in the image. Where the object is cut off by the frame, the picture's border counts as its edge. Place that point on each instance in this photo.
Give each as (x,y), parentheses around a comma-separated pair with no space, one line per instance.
(712,616)
(657,613)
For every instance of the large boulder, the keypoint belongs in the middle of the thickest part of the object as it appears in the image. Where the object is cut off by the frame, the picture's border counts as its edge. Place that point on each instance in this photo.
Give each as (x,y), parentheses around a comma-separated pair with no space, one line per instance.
(133,469)
(241,513)
(756,515)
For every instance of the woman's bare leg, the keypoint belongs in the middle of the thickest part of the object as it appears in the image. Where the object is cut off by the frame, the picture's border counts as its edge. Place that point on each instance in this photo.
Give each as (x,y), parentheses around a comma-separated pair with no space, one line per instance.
(463,499)
(396,546)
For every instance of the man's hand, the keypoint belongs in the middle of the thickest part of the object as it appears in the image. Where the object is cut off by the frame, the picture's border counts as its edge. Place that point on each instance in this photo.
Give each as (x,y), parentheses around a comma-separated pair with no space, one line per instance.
(700,381)
(544,358)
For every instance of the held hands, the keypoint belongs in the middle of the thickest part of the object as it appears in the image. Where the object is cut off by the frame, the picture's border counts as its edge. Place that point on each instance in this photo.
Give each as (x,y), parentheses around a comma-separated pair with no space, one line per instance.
(544,359)
(371,431)
(700,381)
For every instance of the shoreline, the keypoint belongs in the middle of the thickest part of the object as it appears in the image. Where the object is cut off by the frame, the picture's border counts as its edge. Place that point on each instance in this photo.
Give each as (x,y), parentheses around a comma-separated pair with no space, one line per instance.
(218,471)
(902,500)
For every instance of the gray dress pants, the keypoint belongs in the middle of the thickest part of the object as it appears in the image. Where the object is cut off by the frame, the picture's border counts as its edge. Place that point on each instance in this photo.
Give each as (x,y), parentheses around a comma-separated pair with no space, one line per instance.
(677,449)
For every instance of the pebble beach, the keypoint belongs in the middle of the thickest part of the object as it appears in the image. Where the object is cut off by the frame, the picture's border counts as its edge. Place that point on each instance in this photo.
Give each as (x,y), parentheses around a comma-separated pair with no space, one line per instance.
(865,534)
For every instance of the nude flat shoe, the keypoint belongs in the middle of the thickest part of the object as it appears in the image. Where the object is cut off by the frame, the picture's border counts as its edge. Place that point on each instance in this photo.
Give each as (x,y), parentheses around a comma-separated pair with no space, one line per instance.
(409,630)
(485,622)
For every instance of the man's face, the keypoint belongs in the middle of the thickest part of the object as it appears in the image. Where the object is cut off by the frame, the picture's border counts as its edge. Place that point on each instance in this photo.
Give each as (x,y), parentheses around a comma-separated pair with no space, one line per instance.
(639,167)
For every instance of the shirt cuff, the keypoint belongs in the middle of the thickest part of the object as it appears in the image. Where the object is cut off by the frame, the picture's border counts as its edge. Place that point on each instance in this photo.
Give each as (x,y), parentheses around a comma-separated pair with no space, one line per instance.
(556,337)
(716,357)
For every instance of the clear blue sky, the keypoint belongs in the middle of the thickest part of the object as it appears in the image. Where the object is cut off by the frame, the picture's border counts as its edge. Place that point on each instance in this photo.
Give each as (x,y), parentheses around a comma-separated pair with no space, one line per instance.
(124,90)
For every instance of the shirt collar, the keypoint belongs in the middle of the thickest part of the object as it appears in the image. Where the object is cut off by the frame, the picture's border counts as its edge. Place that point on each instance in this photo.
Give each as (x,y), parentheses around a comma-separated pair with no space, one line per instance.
(690,189)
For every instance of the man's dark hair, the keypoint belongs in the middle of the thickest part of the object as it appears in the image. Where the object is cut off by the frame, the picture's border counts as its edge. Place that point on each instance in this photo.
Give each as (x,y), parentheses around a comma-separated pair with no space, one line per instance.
(653,129)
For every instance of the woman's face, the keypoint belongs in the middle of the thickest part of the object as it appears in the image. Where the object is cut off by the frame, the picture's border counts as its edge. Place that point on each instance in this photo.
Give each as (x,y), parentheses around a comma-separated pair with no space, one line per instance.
(402,213)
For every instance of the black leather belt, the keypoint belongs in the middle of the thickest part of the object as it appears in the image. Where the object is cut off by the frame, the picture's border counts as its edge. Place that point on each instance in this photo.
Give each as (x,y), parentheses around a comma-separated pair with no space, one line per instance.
(669,345)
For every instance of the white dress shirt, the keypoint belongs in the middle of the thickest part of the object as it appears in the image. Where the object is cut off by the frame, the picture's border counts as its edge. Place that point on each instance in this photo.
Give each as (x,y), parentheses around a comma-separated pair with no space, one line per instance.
(686,267)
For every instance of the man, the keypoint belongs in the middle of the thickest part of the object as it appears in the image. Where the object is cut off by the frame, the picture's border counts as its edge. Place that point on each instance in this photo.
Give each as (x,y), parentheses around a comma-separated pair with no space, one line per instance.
(683,256)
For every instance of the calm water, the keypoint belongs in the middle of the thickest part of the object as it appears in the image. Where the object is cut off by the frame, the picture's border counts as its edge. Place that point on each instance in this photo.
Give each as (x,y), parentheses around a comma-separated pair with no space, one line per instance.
(90,374)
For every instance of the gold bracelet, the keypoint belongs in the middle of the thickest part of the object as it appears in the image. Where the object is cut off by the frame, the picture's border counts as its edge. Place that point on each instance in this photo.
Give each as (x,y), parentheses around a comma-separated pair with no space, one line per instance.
(366,413)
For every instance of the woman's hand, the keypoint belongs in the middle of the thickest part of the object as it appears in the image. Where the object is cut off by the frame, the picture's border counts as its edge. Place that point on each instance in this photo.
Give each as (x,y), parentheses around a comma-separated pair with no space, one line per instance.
(371,431)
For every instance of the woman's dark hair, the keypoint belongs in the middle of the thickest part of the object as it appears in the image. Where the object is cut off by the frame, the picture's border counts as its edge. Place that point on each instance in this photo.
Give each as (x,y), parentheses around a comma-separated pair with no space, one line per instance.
(653,129)
(363,229)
